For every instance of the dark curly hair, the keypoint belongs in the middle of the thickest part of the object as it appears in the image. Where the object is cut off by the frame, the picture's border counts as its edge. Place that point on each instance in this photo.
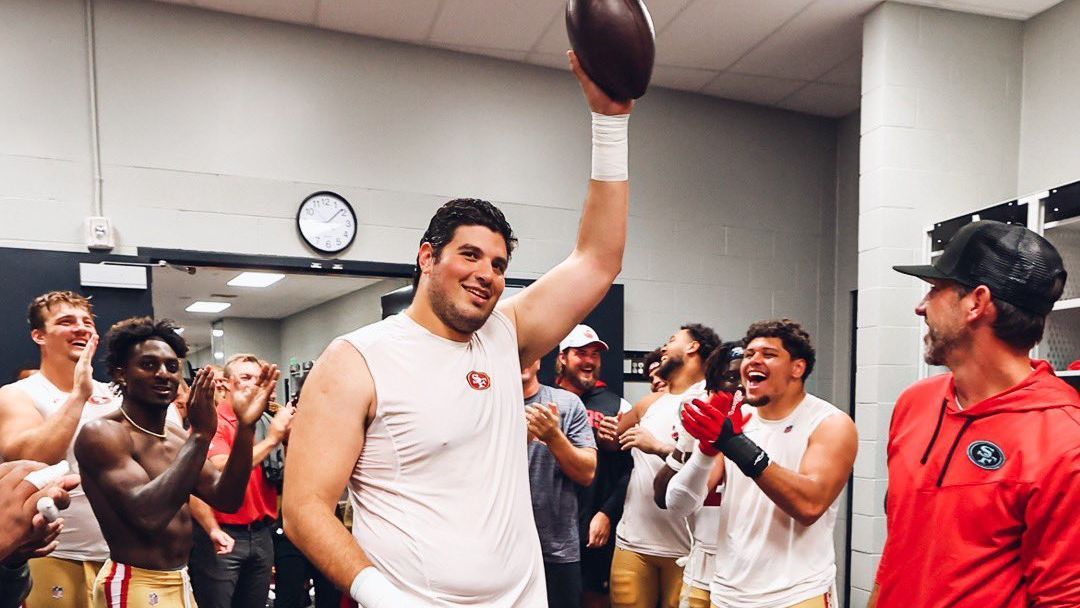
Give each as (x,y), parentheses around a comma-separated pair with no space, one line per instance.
(125,335)
(463,212)
(717,364)
(795,339)
(705,337)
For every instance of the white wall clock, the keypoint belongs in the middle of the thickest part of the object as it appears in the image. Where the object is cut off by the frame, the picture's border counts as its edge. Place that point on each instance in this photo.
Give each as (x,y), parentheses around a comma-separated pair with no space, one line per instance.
(326,222)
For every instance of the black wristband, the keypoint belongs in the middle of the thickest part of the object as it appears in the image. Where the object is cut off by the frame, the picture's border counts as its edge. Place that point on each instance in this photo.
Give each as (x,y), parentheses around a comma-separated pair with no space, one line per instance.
(747,455)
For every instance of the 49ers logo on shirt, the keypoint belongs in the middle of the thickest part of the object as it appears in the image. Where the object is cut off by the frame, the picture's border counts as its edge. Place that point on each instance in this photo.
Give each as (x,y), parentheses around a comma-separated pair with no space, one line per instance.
(99,400)
(478,380)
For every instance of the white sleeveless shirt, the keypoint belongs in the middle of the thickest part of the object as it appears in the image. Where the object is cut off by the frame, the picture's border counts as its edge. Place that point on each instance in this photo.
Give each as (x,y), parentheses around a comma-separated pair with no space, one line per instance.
(765,557)
(81,538)
(441,488)
(644,527)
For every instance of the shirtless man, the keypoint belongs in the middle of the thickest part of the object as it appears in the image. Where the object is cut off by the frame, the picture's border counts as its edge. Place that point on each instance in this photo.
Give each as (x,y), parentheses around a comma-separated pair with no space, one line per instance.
(139,474)
(420,414)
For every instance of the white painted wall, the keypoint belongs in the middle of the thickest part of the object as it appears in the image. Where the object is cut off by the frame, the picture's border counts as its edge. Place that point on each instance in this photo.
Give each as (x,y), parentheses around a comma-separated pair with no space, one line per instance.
(940,136)
(214,127)
(305,334)
(259,337)
(1050,120)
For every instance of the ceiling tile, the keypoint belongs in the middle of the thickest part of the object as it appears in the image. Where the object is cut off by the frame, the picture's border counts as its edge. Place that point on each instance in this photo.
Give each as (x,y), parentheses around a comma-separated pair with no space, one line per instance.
(508,54)
(506,24)
(848,72)
(834,100)
(683,79)
(1011,9)
(292,11)
(810,44)
(408,20)
(754,89)
(713,34)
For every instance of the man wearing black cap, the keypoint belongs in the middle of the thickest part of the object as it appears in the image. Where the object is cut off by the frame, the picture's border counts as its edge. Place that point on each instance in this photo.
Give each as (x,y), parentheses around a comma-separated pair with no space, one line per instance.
(984,461)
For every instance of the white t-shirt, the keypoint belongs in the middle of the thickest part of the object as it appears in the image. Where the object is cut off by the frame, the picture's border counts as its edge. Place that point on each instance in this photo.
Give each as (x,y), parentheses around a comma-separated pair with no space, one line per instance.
(81,538)
(767,559)
(644,527)
(441,488)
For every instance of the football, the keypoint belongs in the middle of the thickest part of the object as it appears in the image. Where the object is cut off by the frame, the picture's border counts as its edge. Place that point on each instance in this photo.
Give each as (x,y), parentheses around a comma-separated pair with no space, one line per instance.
(615,44)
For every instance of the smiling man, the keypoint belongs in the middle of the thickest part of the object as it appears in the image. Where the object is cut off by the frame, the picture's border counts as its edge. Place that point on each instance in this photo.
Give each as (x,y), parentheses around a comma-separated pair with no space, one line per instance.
(784,467)
(139,474)
(600,505)
(39,418)
(420,415)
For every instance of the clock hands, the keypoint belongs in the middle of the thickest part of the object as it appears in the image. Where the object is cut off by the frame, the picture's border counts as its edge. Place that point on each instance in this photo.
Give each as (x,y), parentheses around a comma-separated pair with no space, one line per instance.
(331,218)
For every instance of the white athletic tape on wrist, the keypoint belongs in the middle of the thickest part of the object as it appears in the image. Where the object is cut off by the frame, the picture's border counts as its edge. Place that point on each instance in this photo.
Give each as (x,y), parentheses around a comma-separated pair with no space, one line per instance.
(610,148)
(47,507)
(43,477)
(371,589)
(673,463)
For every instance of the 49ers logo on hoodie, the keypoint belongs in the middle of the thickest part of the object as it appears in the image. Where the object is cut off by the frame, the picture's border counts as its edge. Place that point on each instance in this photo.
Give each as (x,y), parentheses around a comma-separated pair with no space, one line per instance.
(986,455)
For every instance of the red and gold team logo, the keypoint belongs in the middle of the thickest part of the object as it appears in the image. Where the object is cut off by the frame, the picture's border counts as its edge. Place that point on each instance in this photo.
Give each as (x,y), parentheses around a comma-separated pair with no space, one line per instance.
(99,400)
(478,380)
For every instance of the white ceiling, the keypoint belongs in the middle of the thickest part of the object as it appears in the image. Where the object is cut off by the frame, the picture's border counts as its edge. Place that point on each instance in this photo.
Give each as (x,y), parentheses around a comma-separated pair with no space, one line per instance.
(173,291)
(802,55)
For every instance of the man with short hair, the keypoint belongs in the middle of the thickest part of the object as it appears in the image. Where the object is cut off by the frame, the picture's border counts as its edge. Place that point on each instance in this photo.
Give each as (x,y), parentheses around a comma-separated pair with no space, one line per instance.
(649,540)
(600,504)
(783,466)
(562,461)
(39,418)
(420,414)
(139,473)
(984,461)
(652,364)
(721,375)
(240,576)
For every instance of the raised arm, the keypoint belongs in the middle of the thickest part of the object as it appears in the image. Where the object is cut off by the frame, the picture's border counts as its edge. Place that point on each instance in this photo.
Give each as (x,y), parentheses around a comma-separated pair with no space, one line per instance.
(808,493)
(549,308)
(225,490)
(26,434)
(324,445)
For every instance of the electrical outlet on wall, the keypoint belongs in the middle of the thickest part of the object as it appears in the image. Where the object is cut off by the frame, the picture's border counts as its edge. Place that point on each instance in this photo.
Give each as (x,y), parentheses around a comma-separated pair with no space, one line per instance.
(99,234)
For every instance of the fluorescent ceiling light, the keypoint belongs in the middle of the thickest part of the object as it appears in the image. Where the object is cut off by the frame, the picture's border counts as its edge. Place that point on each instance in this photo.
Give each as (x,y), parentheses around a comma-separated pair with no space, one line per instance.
(219,355)
(210,307)
(179,330)
(255,279)
(217,333)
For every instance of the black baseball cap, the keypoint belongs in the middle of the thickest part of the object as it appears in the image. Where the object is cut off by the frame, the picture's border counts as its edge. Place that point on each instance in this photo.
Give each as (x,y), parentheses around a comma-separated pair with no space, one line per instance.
(1018,265)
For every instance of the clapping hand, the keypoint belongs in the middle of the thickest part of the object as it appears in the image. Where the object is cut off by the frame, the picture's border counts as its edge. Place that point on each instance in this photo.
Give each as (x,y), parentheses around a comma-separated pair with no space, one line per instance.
(250,401)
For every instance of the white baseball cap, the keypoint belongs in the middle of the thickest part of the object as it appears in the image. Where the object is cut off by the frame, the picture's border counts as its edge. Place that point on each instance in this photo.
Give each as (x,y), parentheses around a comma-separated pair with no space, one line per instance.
(582,335)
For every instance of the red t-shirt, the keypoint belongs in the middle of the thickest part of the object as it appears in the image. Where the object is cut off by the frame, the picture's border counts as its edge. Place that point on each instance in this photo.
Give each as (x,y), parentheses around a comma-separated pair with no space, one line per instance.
(260,499)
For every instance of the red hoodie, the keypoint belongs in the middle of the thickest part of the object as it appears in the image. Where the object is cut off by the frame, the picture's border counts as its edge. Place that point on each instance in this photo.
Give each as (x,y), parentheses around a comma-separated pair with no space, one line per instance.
(983,503)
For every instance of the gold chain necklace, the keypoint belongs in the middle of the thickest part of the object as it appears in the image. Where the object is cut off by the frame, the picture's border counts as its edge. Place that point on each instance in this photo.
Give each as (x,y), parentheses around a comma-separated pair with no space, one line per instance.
(136,425)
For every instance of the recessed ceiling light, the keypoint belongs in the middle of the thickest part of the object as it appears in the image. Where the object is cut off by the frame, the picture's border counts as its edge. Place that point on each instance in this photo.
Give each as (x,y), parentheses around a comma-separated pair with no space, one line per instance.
(219,355)
(255,279)
(217,333)
(210,307)
(179,330)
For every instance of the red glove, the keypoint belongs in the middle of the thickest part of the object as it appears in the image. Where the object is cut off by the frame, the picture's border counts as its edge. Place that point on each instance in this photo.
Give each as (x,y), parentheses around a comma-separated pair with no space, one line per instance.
(715,422)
